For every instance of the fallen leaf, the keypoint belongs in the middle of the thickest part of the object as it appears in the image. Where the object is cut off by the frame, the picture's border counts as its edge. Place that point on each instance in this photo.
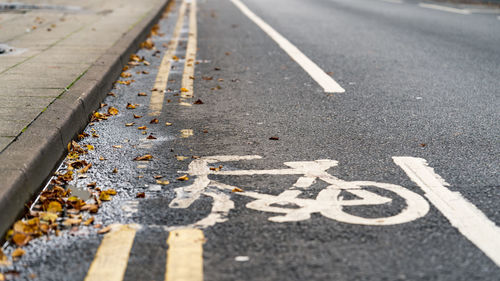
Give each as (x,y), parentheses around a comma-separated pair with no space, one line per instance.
(175,58)
(130,106)
(4,261)
(163,182)
(115,171)
(274,138)
(85,169)
(92,208)
(54,207)
(158,177)
(104,196)
(154,121)
(198,101)
(112,110)
(129,124)
(17,253)
(151,137)
(116,146)
(125,74)
(71,222)
(144,157)
(181,158)
(142,94)
(137,116)
(168,124)
(183,178)
(145,72)
(140,195)
(237,189)
(104,230)
(102,158)
(184,90)
(142,128)
(146,62)
(20,239)
(88,221)
(186,133)
(90,147)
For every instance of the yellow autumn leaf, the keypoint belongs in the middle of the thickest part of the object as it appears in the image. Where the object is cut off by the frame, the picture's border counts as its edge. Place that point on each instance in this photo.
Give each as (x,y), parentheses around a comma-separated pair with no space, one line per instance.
(181,158)
(162,182)
(104,196)
(113,110)
(90,147)
(54,207)
(183,178)
(88,221)
(184,90)
(48,217)
(18,253)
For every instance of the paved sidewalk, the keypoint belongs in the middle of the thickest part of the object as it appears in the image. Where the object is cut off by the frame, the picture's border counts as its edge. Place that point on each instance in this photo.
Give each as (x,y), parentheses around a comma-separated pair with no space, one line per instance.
(53,58)
(52,48)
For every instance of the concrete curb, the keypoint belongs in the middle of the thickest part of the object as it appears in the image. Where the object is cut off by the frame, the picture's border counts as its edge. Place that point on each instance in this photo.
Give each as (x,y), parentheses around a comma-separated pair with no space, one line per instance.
(29,161)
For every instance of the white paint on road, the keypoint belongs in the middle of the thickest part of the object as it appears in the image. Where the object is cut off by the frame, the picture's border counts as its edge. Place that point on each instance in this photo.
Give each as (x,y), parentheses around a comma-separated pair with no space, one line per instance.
(290,203)
(462,214)
(444,8)
(324,80)
(393,1)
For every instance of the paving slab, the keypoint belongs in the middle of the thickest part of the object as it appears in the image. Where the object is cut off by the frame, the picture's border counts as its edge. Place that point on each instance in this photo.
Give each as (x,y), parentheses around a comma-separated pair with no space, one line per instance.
(48,92)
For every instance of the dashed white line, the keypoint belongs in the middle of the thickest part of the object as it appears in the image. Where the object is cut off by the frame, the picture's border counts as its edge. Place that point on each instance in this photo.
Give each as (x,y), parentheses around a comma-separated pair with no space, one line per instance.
(444,8)
(324,80)
(393,1)
(462,214)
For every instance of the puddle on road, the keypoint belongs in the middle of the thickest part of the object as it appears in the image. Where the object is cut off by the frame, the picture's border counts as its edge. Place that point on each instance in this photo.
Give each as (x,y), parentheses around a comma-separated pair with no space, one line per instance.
(6,50)
(80,192)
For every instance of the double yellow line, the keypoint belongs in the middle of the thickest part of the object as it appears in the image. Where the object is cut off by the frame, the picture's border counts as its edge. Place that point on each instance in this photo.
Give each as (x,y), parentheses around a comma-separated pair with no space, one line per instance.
(161,82)
(184,255)
(185,246)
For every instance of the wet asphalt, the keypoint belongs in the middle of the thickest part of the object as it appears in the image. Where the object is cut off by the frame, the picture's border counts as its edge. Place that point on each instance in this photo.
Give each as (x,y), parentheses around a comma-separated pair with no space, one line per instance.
(418,83)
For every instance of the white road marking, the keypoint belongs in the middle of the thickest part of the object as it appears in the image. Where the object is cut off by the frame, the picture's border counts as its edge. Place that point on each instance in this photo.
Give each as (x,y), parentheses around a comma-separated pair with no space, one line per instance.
(324,80)
(393,1)
(462,214)
(328,202)
(444,8)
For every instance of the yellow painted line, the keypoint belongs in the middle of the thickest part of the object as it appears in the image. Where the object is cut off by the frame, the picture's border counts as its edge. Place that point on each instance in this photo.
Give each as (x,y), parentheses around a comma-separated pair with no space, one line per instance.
(188,73)
(185,255)
(158,94)
(111,258)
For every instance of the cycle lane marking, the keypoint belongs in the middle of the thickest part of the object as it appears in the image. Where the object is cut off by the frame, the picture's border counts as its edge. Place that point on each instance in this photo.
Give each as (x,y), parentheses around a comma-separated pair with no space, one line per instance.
(444,8)
(461,213)
(328,202)
(161,81)
(111,258)
(185,255)
(328,84)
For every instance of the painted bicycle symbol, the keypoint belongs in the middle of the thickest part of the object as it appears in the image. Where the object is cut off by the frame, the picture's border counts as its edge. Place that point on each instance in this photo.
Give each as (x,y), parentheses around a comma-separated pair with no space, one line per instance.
(329,202)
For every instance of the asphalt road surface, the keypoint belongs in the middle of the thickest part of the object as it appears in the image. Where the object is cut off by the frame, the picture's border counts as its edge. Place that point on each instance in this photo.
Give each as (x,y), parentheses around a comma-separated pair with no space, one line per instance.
(347,140)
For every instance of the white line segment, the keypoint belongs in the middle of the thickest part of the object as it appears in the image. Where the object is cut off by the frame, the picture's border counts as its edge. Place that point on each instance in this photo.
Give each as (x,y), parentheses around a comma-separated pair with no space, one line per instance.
(444,8)
(462,214)
(324,80)
(393,1)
